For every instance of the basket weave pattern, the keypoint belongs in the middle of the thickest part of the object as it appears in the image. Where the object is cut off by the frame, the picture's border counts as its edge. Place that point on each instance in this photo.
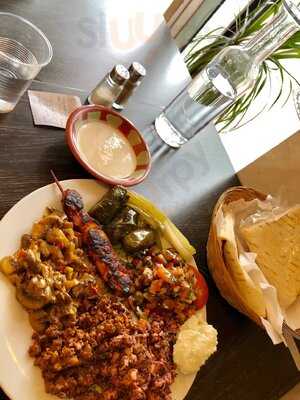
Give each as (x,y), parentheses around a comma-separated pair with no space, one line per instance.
(215,256)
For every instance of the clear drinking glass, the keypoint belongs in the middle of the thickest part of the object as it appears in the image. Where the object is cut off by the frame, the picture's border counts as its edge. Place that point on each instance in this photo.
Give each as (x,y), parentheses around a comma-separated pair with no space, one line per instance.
(24,51)
(225,79)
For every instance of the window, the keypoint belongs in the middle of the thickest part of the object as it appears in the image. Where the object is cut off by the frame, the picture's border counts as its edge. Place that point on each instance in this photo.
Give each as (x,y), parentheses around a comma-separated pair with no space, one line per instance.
(187,18)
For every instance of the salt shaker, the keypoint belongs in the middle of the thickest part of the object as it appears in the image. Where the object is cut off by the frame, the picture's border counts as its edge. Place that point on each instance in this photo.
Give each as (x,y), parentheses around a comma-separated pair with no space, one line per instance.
(109,89)
(137,73)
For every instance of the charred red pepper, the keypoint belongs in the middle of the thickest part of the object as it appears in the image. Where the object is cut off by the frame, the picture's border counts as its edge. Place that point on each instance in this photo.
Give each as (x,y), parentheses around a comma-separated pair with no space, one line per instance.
(201,288)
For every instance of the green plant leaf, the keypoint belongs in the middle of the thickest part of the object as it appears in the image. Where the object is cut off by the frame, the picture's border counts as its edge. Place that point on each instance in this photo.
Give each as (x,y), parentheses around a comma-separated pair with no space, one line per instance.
(200,53)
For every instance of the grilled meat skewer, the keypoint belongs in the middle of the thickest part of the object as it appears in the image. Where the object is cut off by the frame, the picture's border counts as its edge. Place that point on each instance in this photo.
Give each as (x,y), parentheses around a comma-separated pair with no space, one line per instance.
(99,247)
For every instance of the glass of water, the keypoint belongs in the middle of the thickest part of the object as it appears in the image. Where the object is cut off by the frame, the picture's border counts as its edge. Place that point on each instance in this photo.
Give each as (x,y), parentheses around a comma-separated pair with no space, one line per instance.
(24,51)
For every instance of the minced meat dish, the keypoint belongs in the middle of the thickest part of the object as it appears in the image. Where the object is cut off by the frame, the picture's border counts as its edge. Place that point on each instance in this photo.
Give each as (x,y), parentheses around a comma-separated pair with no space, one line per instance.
(87,341)
(106,354)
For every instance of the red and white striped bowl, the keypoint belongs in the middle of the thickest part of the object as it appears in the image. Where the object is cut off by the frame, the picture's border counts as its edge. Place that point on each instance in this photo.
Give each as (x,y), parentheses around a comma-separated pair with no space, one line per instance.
(140,148)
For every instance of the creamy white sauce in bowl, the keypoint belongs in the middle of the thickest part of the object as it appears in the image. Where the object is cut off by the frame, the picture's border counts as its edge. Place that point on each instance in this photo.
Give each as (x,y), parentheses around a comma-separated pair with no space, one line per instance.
(108,145)
(106,149)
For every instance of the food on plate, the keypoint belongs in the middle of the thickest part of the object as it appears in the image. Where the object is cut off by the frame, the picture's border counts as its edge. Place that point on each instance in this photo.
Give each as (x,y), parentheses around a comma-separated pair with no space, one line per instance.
(109,301)
(99,247)
(165,228)
(276,242)
(86,341)
(196,342)
(139,239)
(124,223)
(166,285)
(106,354)
(111,203)
(51,271)
(163,280)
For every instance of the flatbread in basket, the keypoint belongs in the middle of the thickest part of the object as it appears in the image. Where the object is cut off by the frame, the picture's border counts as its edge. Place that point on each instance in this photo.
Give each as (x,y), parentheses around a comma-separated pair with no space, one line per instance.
(223,263)
(253,254)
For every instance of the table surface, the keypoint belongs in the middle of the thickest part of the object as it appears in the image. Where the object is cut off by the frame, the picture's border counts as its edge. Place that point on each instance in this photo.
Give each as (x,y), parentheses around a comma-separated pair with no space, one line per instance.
(185,183)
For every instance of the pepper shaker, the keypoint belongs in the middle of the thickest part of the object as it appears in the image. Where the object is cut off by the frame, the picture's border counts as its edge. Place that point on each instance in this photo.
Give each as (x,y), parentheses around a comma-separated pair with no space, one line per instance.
(111,86)
(137,73)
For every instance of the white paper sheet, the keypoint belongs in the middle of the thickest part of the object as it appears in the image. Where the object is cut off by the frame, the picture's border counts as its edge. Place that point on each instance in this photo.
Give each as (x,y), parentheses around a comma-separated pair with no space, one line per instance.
(52,109)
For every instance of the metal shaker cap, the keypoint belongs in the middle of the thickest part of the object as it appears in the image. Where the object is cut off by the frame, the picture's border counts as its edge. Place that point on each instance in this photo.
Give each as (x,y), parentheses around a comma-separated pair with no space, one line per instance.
(120,74)
(137,72)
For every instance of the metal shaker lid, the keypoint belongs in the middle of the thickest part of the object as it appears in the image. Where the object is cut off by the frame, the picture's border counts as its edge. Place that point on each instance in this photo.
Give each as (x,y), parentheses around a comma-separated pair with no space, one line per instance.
(120,74)
(137,72)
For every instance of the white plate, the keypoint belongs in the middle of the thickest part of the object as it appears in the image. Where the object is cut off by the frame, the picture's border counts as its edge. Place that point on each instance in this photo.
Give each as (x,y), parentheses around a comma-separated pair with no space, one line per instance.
(18,376)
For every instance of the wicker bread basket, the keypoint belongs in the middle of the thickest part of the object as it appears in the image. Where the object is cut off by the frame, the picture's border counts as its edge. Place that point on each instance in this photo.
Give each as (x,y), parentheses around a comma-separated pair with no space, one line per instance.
(215,256)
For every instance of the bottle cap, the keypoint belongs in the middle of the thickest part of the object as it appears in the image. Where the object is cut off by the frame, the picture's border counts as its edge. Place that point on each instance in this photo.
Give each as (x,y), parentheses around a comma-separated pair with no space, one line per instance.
(137,72)
(119,74)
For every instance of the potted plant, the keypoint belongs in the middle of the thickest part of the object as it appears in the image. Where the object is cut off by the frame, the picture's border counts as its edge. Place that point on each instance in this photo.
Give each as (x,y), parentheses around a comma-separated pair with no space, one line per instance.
(204,48)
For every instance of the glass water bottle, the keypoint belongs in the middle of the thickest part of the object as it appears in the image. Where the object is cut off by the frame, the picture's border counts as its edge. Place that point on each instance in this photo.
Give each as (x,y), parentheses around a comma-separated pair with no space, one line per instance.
(225,79)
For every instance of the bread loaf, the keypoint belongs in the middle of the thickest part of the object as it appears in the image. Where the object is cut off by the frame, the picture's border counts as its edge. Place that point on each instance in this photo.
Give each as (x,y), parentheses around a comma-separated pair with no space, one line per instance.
(276,241)
(251,292)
